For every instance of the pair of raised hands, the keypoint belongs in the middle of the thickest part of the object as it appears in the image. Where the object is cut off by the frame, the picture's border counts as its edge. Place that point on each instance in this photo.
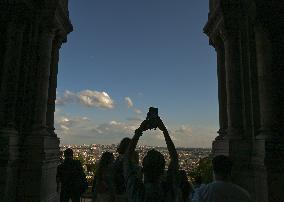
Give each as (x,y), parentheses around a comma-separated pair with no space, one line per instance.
(145,125)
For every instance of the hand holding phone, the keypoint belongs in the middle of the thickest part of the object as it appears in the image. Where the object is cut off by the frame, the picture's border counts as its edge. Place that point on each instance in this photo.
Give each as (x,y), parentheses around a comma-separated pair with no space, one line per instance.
(152,118)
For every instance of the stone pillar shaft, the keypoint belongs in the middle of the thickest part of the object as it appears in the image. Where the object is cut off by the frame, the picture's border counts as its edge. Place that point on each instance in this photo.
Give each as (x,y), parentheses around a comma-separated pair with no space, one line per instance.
(263,54)
(222,95)
(43,73)
(233,86)
(52,85)
(9,136)
(11,69)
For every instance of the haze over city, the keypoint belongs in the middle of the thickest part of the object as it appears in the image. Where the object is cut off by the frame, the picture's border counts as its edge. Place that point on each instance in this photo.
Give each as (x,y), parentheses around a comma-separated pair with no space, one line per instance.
(125,56)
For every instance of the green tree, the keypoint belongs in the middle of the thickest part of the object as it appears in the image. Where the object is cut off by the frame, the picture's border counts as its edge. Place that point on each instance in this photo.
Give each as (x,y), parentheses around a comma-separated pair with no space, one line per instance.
(204,170)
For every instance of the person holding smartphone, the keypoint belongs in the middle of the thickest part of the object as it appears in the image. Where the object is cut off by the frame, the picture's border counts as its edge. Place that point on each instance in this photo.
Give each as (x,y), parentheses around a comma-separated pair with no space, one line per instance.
(153,188)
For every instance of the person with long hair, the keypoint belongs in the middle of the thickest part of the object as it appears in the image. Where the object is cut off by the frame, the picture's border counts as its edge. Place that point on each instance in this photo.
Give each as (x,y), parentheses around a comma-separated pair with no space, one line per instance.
(103,182)
(152,188)
(118,167)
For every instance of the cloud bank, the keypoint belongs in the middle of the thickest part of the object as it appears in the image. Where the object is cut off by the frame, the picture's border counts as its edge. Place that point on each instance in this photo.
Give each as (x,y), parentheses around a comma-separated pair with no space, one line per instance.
(81,130)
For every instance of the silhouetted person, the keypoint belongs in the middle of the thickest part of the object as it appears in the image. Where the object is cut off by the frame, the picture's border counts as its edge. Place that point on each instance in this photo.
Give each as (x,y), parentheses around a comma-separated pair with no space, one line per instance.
(185,187)
(118,170)
(103,183)
(152,189)
(135,162)
(221,189)
(71,177)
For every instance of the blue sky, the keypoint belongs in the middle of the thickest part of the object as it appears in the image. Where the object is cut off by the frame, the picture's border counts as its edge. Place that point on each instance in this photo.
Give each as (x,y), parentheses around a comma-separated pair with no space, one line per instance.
(125,56)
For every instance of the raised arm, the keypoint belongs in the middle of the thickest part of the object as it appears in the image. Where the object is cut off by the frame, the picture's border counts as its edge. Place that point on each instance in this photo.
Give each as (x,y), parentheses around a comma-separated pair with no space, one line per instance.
(170,145)
(133,183)
(134,140)
(133,143)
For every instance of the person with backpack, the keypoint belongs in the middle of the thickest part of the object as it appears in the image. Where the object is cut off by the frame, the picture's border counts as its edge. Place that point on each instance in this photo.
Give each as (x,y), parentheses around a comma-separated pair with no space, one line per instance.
(71,179)
(153,188)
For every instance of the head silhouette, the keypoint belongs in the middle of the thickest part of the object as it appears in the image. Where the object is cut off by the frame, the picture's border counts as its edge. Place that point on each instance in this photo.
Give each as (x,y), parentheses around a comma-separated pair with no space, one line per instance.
(105,162)
(68,153)
(106,159)
(123,145)
(222,166)
(153,165)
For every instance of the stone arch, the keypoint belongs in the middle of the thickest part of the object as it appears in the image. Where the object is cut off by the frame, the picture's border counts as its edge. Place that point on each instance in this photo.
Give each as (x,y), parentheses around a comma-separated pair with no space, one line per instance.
(248,39)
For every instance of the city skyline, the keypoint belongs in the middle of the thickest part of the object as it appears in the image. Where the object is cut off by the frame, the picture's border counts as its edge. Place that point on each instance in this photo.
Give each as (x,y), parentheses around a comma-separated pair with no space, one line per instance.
(123,58)
(89,155)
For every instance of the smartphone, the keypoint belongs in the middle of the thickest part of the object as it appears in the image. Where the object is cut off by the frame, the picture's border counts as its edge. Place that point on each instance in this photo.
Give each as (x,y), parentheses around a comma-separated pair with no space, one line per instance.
(153,113)
(152,117)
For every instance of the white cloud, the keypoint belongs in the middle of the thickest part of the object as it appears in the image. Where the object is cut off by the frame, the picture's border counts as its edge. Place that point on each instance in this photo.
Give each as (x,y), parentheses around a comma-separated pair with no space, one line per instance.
(82,130)
(128,102)
(95,99)
(87,98)
(67,97)
(66,125)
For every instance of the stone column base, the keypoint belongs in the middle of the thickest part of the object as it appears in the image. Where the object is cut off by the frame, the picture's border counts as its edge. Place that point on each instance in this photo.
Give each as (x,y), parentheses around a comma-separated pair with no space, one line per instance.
(270,154)
(8,164)
(40,157)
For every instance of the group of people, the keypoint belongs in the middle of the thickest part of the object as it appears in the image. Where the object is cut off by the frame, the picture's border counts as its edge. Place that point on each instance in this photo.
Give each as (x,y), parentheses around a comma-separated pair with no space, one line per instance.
(124,180)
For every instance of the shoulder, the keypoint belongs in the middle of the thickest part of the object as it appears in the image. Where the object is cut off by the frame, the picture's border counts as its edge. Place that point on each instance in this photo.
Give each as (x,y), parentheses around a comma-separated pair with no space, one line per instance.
(202,189)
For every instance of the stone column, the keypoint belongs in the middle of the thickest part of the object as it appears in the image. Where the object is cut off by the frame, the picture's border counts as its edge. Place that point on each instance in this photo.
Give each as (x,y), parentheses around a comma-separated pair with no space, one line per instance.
(10,71)
(40,149)
(52,85)
(42,80)
(269,141)
(9,138)
(222,94)
(220,145)
(233,85)
(264,62)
